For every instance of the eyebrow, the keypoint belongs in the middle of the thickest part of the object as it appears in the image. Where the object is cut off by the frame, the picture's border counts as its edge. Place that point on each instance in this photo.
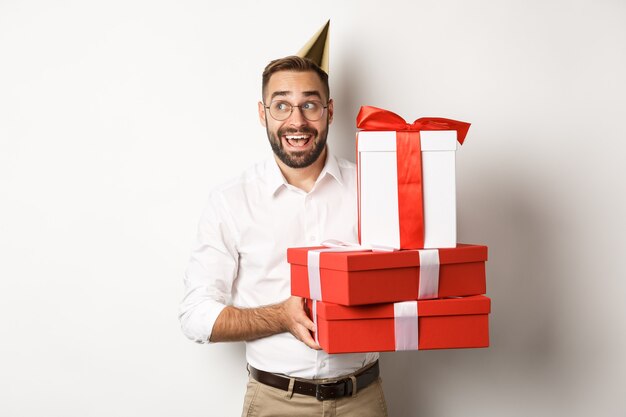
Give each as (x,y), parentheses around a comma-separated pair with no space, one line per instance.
(313,93)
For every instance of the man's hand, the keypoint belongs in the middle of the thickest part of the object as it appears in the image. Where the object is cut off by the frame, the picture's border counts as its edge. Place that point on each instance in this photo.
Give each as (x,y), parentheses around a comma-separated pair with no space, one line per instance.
(297,322)
(238,324)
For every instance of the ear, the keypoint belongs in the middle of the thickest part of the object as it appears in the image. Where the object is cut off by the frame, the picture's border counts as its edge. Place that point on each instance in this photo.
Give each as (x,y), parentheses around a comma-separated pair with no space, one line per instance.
(331,110)
(262,114)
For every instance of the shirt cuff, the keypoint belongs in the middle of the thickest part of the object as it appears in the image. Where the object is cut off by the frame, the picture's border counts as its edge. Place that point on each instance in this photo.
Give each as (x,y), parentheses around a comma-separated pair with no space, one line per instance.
(197,322)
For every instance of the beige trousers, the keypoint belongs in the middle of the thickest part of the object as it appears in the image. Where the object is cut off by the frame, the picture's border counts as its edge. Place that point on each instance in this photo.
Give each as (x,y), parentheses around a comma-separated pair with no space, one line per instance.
(264,401)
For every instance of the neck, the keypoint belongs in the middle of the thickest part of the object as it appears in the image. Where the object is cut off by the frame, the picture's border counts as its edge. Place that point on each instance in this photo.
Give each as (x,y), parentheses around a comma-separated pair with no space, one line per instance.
(303,178)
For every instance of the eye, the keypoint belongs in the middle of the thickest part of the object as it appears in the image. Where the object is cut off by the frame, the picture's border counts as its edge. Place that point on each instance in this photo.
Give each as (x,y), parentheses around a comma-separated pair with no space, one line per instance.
(310,105)
(282,106)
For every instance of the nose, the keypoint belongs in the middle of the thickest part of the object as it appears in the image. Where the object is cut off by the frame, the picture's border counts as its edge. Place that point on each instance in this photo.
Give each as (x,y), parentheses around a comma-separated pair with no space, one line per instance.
(296,118)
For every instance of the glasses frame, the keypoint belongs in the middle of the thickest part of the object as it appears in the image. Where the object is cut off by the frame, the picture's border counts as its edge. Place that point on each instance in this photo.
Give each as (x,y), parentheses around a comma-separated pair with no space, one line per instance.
(324,108)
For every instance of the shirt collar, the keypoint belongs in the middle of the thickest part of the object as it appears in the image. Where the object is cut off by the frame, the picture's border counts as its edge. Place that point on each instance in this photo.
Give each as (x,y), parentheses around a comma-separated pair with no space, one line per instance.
(274,177)
(331,167)
(276,180)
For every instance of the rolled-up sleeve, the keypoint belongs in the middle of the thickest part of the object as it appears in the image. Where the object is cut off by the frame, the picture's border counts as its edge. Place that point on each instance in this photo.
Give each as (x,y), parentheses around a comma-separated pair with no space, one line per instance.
(211,272)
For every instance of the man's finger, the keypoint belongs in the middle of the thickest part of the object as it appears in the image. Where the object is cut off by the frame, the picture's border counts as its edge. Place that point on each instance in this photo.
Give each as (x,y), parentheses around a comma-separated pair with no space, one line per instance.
(305,337)
(306,322)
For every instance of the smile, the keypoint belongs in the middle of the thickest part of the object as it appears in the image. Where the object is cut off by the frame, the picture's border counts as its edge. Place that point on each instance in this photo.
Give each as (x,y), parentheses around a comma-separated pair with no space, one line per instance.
(297,141)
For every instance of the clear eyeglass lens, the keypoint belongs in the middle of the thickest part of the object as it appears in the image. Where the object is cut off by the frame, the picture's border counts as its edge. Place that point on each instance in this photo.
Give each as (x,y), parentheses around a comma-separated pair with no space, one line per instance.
(311,110)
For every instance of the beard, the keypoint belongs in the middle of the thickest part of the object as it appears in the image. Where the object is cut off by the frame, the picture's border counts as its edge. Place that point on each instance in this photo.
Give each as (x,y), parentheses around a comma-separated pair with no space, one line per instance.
(298,159)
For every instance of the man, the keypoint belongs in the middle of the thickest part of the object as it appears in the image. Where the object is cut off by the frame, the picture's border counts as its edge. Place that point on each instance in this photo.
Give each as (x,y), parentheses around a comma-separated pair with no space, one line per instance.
(237,283)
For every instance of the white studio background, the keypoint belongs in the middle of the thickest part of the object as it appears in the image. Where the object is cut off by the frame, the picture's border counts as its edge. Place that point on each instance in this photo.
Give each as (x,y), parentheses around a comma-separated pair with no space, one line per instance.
(117,117)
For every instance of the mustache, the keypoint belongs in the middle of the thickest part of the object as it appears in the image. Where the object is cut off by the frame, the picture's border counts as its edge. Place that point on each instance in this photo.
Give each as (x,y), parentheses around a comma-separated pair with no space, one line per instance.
(303,130)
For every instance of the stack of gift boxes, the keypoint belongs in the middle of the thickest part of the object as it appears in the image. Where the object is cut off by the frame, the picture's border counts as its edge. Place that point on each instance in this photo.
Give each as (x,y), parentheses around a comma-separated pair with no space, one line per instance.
(408,285)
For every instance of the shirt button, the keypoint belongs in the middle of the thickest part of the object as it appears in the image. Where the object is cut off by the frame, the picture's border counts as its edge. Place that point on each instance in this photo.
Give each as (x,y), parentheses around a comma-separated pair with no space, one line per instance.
(322,364)
(313,238)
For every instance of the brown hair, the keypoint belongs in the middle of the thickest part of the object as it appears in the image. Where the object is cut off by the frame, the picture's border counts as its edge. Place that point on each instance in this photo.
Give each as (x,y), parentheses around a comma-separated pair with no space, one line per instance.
(293,63)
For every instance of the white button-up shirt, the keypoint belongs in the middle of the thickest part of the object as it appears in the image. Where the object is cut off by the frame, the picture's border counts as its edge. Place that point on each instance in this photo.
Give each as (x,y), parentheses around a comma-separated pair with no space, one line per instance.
(240,258)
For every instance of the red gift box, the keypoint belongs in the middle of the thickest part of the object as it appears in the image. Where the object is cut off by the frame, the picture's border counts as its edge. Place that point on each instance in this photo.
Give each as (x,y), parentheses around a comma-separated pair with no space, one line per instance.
(365,277)
(440,324)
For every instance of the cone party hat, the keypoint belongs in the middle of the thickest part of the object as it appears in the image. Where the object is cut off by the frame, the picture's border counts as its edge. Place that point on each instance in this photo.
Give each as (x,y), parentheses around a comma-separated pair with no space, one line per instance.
(316,49)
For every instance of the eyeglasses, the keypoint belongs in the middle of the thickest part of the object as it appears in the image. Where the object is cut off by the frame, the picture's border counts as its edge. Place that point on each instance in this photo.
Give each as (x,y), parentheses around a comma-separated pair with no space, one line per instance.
(311,110)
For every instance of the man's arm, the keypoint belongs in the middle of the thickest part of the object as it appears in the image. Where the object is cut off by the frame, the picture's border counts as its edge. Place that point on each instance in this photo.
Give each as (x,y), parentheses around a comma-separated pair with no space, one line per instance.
(237,324)
(204,313)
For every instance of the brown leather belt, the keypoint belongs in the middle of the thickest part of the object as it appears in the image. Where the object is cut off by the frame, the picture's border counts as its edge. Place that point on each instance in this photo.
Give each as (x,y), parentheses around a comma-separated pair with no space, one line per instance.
(322,391)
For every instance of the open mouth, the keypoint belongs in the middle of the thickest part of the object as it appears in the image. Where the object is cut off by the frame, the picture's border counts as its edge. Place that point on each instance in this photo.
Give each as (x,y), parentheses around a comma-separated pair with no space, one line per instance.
(298,141)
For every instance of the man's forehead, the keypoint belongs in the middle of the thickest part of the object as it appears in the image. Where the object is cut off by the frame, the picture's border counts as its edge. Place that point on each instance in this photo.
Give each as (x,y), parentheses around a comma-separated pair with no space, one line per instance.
(287,83)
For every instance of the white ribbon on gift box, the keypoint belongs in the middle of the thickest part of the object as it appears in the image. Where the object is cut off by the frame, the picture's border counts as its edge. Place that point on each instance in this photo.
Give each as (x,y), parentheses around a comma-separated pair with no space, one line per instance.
(428,270)
(314,313)
(406,325)
(428,274)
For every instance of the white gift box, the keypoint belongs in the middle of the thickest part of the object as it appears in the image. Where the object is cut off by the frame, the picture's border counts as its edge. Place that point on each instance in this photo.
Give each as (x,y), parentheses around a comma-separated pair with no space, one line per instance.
(380,224)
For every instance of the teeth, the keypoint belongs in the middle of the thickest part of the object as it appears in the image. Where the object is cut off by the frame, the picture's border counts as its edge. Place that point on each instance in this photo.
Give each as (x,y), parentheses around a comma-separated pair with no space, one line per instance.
(298,141)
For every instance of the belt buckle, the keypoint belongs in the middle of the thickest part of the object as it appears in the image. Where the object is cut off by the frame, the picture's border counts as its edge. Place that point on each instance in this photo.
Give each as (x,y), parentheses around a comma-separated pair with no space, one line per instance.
(321,394)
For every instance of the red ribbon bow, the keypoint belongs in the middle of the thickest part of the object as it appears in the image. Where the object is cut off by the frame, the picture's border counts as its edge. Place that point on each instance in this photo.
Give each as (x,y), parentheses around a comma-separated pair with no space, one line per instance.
(373,118)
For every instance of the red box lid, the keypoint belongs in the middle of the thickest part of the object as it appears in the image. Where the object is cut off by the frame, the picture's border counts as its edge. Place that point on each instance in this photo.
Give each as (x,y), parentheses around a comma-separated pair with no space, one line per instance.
(476,304)
(367,260)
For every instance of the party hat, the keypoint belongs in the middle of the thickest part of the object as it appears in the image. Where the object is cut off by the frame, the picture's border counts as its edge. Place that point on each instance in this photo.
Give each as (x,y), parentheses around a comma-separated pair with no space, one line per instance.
(316,49)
